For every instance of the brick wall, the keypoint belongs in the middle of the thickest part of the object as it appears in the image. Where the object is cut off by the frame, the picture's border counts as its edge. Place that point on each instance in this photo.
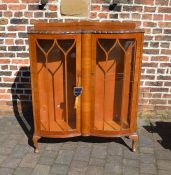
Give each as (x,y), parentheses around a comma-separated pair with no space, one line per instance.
(16,16)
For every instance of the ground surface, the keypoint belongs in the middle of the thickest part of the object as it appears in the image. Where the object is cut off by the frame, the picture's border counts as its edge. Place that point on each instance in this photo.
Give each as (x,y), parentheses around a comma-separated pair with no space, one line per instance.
(89,156)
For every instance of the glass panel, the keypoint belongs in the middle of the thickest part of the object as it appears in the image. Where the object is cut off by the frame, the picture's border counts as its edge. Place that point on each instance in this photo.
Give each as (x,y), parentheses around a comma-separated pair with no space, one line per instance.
(45,44)
(56,65)
(41,48)
(126,43)
(106,44)
(119,76)
(66,44)
(112,91)
(40,55)
(71,78)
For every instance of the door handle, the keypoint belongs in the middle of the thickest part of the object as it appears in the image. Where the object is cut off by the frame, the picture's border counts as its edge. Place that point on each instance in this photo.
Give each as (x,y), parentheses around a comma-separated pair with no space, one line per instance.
(77,92)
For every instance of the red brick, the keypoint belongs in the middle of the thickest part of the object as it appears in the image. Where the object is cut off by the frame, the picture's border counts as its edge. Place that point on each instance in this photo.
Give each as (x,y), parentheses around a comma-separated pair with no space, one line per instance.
(51,14)
(161,2)
(18,14)
(52,7)
(161,71)
(8,79)
(31,1)
(3,7)
(164,10)
(149,64)
(159,58)
(166,51)
(157,31)
(16,28)
(19,61)
(32,21)
(149,24)
(150,71)
(156,95)
(163,77)
(124,15)
(17,7)
(162,38)
(147,30)
(4,61)
(159,89)
(153,83)
(147,95)
(132,8)
(157,101)
(95,8)
(151,51)
(146,44)
(147,77)
(4,67)
(167,84)
(145,58)
(165,45)
(165,64)
(167,17)
(99,1)
(166,95)
(167,31)
(12,67)
(147,16)
(144,2)
(143,101)
(149,9)
(10,35)
(145,89)
(28,14)
(154,44)
(3,21)
(102,15)
(7,14)
(19,41)
(2,90)
(5,96)
(9,41)
(142,71)
(158,107)
(136,16)
(10,1)
(148,37)
(164,24)
(157,17)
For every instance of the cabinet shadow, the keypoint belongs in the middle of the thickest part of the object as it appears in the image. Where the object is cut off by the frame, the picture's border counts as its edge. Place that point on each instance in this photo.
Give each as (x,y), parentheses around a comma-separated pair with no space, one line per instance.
(22,103)
(163,129)
(86,139)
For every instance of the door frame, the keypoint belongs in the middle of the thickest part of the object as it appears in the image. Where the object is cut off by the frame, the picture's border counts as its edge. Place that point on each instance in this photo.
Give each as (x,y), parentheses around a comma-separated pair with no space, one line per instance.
(35,89)
(138,37)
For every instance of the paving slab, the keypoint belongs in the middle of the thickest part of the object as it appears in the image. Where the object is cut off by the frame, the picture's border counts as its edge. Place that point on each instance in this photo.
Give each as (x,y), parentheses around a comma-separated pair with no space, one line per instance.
(84,155)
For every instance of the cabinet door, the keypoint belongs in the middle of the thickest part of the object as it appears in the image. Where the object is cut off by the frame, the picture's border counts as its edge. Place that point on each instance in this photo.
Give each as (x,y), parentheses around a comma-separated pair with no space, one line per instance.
(57,70)
(113,70)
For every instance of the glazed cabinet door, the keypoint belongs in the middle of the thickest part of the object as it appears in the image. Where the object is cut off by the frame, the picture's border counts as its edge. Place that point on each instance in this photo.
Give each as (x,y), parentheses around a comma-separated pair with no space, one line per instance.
(115,71)
(56,70)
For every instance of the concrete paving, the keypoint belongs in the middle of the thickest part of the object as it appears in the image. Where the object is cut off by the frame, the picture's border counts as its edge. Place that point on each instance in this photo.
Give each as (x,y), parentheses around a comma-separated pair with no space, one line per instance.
(85,155)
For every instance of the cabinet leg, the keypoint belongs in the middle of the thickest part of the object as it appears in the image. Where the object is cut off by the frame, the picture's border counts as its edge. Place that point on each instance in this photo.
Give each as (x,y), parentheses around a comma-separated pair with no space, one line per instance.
(35,142)
(134,138)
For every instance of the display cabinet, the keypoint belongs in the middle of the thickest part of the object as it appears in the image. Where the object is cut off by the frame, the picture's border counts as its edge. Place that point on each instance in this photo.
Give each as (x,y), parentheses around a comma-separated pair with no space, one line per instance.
(85,79)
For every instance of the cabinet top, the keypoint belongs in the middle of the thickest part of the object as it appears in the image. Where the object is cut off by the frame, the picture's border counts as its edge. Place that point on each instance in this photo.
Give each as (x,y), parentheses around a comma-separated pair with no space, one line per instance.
(84,27)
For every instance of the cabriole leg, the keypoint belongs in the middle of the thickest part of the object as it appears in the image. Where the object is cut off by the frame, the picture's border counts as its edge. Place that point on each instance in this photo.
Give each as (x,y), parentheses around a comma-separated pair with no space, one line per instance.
(35,142)
(134,138)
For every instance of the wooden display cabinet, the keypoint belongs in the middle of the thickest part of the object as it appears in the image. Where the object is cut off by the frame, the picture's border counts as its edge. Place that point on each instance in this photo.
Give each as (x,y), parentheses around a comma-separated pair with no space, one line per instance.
(101,59)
